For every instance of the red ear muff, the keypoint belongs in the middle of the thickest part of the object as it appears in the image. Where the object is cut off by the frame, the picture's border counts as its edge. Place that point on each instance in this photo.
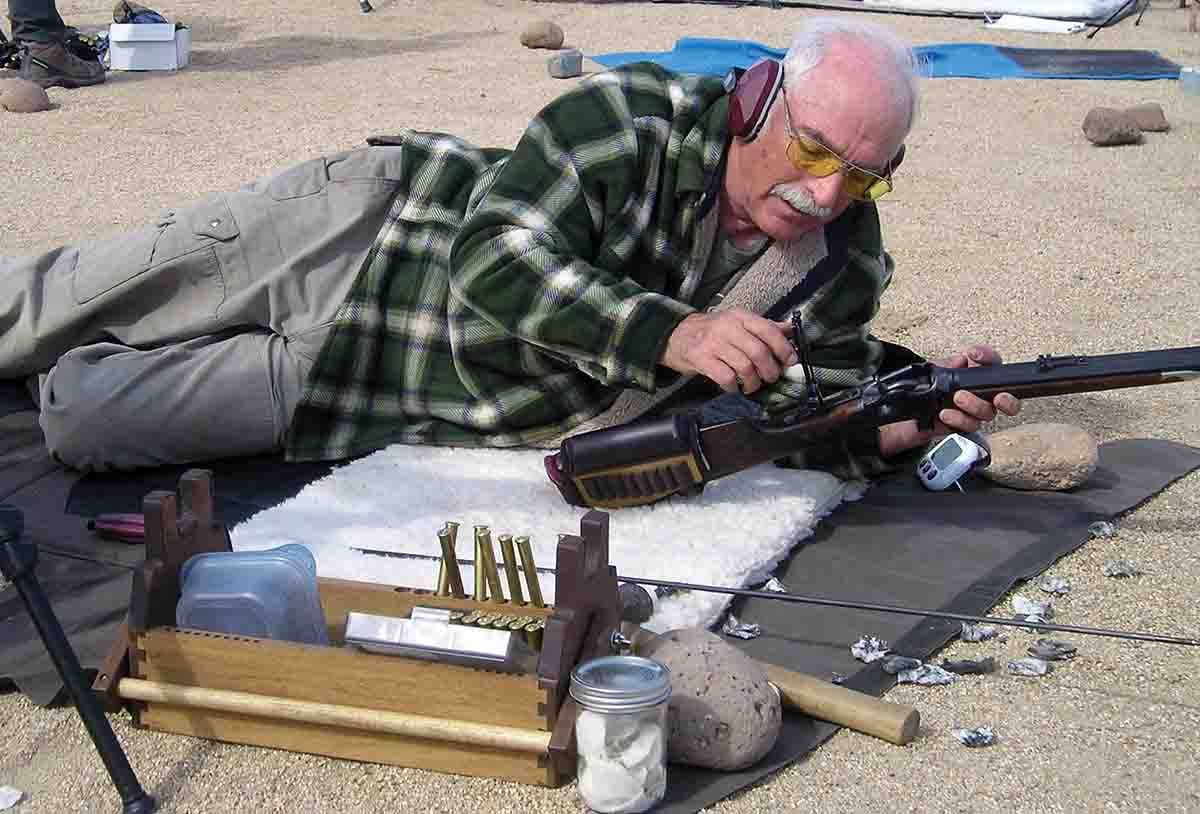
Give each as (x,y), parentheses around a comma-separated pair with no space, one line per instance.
(751,98)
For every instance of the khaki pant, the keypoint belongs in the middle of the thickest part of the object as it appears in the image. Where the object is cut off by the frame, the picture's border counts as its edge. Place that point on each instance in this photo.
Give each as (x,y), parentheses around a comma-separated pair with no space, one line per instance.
(191,339)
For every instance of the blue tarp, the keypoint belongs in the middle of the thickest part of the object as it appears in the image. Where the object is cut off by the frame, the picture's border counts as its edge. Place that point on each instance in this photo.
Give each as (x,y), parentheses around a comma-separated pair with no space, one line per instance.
(708,55)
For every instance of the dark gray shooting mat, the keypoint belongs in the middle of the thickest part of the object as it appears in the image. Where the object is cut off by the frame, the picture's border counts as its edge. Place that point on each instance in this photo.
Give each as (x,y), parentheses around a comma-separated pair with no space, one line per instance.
(899,545)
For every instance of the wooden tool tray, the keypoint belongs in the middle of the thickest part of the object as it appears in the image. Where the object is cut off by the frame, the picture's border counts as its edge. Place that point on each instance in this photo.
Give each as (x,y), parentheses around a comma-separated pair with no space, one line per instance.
(344,702)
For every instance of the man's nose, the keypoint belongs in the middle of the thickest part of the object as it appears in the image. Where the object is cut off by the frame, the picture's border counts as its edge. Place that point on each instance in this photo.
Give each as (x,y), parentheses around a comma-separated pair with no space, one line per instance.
(828,191)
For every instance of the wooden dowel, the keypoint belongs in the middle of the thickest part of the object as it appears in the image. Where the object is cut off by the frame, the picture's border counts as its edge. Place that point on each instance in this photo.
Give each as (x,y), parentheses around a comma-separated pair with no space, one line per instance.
(895,723)
(369,720)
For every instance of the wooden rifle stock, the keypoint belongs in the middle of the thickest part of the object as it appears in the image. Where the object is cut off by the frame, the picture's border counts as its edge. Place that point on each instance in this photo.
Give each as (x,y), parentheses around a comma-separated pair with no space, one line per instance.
(642,463)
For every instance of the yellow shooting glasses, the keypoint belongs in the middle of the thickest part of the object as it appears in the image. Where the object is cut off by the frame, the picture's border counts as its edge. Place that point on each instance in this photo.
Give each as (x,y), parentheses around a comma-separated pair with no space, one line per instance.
(811,156)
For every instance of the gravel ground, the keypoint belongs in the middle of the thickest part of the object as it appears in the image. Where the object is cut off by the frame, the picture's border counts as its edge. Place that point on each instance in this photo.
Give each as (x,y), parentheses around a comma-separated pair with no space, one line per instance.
(1007,226)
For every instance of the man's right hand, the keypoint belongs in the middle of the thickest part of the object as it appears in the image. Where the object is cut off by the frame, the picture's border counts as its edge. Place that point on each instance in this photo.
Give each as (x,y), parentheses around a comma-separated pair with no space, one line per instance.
(731,348)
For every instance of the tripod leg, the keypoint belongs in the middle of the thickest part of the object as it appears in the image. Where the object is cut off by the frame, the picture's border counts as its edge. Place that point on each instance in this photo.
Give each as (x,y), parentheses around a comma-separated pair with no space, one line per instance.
(17,561)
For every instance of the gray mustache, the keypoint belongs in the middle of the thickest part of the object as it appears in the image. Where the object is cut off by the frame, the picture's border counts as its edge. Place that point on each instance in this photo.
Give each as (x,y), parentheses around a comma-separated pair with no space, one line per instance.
(800,200)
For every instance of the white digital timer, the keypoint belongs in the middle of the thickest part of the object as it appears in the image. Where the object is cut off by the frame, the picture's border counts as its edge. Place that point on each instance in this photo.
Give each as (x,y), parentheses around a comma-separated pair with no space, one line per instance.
(947,461)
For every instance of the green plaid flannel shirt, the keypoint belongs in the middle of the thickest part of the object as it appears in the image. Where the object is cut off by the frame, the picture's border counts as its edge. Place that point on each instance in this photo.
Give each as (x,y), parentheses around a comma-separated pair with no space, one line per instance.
(512,295)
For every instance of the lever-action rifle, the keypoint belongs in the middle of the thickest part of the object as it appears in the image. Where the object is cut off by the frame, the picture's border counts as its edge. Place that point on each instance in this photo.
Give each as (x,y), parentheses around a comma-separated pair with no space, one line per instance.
(641,463)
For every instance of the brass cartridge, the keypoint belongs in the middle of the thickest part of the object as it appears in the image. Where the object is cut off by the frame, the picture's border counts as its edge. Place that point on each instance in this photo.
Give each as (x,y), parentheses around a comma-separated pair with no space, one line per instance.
(530,569)
(449,577)
(483,540)
(515,595)
(481,592)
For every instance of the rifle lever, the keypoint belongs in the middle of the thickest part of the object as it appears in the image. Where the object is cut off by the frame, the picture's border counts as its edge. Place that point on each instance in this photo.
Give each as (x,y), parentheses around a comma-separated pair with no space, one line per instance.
(800,342)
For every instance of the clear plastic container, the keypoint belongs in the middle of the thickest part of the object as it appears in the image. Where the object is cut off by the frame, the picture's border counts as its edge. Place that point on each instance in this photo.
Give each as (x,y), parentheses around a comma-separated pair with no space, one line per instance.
(269,594)
(621,733)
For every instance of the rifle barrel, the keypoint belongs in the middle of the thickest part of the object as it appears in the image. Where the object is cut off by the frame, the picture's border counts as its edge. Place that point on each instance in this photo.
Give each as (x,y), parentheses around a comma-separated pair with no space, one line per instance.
(1060,375)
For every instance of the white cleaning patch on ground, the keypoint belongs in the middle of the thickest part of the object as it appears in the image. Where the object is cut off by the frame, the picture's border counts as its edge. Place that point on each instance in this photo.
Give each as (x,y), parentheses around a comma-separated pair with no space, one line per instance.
(397,499)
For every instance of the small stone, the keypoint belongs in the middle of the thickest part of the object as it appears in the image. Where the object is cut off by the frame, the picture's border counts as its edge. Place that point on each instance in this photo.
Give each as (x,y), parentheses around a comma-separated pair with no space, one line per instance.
(23,96)
(565,64)
(1042,456)
(724,713)
(1149,117)
(1102,529)
(542,34)
(1107,127)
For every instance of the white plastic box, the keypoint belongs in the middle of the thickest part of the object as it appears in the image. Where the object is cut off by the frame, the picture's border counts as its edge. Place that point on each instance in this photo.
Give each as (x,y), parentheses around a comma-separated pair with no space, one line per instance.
(148,46)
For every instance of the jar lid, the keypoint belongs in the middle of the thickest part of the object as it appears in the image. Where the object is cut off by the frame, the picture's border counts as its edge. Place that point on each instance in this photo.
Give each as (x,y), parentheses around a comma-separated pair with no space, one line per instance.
(620,683)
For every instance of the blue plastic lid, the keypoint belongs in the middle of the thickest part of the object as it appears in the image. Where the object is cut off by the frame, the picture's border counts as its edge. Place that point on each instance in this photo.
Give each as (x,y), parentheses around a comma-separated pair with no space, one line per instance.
(268,594)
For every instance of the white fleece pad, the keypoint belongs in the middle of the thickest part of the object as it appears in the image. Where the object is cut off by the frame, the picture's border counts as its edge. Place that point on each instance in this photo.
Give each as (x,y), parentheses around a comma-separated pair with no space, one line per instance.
(397,499)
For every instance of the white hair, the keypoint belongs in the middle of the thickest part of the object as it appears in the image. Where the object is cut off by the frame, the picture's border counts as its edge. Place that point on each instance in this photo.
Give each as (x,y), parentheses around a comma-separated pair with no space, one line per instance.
(811,43)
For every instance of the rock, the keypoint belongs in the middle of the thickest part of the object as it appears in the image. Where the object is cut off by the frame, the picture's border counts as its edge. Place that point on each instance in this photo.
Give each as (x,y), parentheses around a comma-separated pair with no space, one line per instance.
(723,712)
(23,96)
(1042,456)
(1108,127)
(1149,117)
(542,34)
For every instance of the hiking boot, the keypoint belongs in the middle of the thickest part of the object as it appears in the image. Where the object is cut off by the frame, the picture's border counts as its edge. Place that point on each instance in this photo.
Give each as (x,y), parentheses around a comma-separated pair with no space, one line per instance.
(51,63)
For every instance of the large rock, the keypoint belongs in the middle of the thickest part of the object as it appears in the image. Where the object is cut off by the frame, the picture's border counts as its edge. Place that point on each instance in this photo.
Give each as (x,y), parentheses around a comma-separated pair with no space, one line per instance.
(1042,456)
(1107,127)
(1149,117)
(723,713)
(23,96)
(542,34)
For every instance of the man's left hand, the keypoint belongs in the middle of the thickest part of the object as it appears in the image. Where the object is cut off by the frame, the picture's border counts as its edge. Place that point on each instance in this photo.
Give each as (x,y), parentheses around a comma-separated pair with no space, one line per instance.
(968,414)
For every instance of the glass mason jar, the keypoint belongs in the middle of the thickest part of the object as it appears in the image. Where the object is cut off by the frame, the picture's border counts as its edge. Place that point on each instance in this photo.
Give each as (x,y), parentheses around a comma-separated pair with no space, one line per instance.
(621,732)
